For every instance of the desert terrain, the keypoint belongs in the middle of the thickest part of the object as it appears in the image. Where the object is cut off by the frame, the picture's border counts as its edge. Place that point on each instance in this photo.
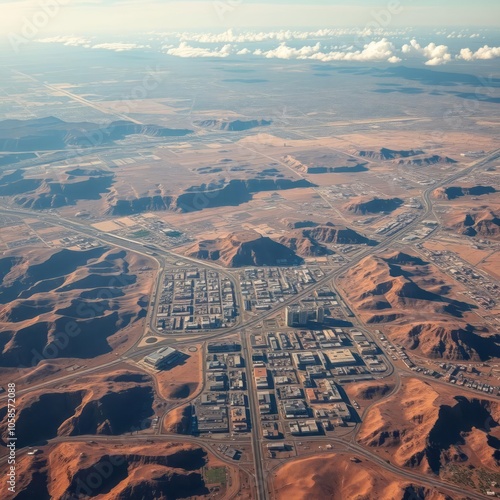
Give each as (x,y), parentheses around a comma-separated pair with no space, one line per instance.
(114,470)
(311,249)
(400,291)
(436,430)
(335,477)
(65,307)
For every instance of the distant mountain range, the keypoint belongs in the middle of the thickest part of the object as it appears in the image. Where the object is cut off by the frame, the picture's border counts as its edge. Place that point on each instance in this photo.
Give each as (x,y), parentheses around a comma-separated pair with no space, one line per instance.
(42,134)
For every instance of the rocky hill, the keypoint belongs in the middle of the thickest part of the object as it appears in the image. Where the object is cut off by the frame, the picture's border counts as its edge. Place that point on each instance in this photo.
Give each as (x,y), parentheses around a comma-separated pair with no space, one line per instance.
(425,160)
(338,235)
(389,154)
(74,185)
(402,291)
(453,192)
(405,157)
(326,163)
(226,193)
(482,223)
(311,238)
(335,476)
(48,192)
(374,205)
(109,404)
(426,426)
(42,134)
(244,249)
(303,245)
(232,125)
(111,470)
(45,294)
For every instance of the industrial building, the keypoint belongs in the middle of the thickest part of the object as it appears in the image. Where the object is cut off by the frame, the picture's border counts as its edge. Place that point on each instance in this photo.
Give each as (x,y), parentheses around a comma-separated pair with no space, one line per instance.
(164,357)
(212,419)
(276,446)
(338,357)
(326,392)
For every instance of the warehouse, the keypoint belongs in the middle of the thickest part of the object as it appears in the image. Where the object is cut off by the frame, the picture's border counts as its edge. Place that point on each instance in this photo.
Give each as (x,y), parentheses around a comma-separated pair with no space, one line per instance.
(163,358)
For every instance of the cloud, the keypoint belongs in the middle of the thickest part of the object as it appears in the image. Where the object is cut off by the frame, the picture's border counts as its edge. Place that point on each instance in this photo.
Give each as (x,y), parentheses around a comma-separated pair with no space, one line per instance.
(435,54)
(75,41)
(484,53)
(71,41)
(119,47)
(185,50)
(230,36)
(375,51)
(283,51)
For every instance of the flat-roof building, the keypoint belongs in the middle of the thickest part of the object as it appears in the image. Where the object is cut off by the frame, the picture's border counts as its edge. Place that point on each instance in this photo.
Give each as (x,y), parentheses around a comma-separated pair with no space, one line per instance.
(339,357)
(304,428)
(261,378)
(224,347)
(163,357)
(295,409)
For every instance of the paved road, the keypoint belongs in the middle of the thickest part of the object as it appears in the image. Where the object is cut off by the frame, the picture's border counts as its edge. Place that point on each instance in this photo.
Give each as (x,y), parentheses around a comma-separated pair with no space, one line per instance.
(260,477)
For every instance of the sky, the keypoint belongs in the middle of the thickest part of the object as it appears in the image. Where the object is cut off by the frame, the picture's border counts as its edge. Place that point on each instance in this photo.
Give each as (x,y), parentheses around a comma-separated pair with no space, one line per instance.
(126,16)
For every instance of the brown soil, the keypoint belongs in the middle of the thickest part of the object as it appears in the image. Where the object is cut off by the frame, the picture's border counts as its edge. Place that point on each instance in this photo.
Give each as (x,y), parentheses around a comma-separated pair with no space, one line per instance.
(428,425)
(402,291)
(335,477)
(182,381)
(113,403)
(119,471)
(68,305)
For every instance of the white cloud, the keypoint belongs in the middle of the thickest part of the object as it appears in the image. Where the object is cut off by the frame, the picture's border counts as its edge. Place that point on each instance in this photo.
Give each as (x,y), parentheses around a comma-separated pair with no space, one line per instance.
(230,36)
(119,47)
(243,52)
(483,53)
(185,50)
(283,51)
(435,54)
(375,51)
(73,41)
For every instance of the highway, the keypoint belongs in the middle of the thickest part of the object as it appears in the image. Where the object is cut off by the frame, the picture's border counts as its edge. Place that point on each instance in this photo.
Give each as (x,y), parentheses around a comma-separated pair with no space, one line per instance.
(332,277)
(260,477)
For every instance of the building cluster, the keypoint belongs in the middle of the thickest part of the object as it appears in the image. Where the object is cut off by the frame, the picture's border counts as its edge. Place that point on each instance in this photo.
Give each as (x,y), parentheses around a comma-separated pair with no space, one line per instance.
(458,374)
(195,299)
(462,375)
(82,242)
(262,288)
(297,378)
(223,406)
(153,231)
(481,288)
(421,231)
(400,222)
